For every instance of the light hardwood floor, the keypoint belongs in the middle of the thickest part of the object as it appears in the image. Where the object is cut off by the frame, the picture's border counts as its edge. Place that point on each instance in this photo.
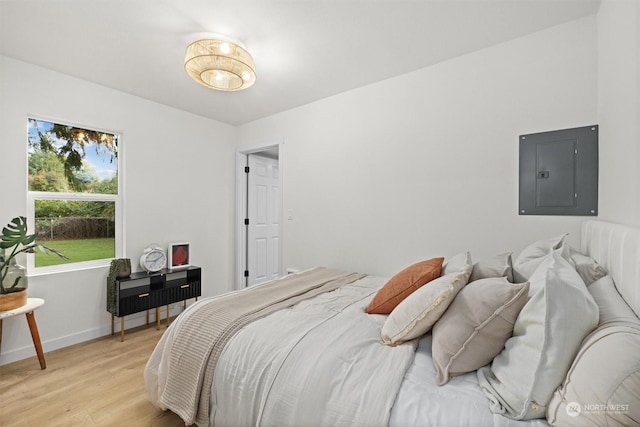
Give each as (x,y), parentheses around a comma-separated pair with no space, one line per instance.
(97,383)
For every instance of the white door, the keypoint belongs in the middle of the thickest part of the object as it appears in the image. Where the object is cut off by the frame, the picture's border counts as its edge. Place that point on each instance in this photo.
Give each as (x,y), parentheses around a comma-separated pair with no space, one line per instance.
(263,230)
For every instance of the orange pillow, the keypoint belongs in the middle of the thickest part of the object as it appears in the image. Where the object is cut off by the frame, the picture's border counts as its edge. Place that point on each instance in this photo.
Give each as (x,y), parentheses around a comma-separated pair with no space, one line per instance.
(403,284)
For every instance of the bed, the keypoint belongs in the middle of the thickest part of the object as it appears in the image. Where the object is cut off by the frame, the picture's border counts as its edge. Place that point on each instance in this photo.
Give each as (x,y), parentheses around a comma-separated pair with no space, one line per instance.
(548,337)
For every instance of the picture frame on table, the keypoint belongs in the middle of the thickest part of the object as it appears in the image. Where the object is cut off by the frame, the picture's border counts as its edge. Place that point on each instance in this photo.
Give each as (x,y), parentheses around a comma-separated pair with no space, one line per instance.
(179,255)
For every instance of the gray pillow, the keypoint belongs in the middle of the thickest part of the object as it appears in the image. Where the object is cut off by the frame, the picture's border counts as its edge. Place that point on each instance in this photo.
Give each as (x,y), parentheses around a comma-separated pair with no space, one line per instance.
(499,265)
(476,325)
(610,303)
(458,263)
(546,337)
(587,267)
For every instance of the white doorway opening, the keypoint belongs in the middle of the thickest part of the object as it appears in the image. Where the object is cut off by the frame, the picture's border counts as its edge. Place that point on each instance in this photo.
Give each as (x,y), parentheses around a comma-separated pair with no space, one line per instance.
(258,215)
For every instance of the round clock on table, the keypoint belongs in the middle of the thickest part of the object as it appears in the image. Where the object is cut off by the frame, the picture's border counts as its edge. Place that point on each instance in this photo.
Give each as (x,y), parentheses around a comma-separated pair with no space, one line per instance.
(153,258)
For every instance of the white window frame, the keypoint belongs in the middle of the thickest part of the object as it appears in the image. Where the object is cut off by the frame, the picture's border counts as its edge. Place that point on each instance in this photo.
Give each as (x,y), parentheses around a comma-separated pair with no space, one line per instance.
(32,196)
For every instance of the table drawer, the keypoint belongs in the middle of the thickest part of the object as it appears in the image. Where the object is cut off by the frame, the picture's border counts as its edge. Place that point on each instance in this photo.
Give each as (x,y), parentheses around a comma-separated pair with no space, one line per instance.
(140,302)
(176,279)
(135,291)
(183,292)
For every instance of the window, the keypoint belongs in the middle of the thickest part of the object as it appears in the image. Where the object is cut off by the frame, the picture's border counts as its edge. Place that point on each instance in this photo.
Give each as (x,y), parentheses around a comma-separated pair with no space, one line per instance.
(74,197)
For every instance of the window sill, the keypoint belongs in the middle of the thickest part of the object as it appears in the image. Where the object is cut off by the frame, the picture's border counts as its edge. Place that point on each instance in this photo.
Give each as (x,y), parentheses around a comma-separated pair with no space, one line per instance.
(69,268)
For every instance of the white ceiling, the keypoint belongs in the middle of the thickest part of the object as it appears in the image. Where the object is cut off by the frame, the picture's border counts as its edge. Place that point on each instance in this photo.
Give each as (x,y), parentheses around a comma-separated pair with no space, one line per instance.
(304,50)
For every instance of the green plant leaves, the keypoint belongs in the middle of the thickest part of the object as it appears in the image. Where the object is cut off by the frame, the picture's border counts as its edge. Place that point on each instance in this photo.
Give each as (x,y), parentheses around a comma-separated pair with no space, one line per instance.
(15,233)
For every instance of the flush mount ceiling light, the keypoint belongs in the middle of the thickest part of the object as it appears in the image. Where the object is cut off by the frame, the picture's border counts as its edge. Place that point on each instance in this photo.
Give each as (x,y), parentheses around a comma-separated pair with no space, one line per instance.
(220,63)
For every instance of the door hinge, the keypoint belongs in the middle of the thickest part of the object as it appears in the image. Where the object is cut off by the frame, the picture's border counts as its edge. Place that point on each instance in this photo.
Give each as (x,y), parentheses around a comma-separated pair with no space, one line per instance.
(246,169)
(246,221)
(246,273)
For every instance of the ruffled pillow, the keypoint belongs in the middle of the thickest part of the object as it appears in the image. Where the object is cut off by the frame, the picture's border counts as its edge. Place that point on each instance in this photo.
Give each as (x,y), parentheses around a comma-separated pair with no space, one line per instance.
(415,316)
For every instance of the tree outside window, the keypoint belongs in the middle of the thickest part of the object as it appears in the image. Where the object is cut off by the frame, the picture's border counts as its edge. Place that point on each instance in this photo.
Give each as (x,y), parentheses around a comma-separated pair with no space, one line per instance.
(73,190)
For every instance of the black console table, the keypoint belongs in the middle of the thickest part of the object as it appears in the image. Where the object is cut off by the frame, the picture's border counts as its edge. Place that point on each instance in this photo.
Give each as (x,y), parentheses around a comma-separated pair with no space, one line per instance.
(144,291)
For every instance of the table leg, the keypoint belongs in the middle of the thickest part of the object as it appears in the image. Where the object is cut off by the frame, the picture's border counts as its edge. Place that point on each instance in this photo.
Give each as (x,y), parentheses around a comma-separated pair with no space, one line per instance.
(167,314)
(158,318)
(31,320)
(112,327)
(0,333)
(147,317)
(122,329)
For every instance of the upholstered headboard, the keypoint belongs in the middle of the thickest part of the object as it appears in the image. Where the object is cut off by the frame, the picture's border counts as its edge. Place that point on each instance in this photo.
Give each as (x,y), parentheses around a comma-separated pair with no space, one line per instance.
(617,248)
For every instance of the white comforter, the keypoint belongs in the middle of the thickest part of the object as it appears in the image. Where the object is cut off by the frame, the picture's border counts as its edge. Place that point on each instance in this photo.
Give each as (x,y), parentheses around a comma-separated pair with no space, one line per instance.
(320,362)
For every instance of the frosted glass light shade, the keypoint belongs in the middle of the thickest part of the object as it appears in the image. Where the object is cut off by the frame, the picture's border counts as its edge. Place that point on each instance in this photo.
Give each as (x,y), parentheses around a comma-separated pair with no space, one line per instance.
(220,64)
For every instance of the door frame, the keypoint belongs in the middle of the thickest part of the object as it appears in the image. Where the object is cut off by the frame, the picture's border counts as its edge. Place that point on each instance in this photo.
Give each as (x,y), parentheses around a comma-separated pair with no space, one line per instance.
(241,208)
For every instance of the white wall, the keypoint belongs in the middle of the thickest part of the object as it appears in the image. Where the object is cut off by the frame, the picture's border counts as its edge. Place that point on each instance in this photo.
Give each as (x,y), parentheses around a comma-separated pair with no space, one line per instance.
(619,110)
(416,166)
(178,181)
(426,164)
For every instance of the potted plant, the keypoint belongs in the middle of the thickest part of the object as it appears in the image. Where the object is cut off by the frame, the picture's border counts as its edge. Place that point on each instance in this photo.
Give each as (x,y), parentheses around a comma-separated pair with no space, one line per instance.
(13,278)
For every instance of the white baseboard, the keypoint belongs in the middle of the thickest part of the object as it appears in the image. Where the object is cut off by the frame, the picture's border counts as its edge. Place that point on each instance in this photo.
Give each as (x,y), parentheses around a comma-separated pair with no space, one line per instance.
(130,321)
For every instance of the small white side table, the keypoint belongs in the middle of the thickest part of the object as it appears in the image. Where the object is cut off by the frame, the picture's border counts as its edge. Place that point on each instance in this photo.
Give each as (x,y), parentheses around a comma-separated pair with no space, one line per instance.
(28,309)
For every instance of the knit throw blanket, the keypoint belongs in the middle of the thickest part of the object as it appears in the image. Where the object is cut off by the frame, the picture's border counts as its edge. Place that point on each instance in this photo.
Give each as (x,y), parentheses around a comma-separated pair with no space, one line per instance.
(203,333)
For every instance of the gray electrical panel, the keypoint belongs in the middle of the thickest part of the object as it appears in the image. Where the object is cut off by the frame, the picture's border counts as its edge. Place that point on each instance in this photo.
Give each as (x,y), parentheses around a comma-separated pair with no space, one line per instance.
(559,172)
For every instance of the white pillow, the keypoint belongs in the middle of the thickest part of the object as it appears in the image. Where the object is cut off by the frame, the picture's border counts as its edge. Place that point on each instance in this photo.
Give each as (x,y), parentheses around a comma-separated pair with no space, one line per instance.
(417,313)
(499,265)
(530,258)
(546,337)
(602,386)
(458,263)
